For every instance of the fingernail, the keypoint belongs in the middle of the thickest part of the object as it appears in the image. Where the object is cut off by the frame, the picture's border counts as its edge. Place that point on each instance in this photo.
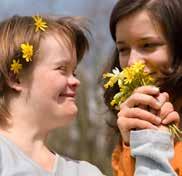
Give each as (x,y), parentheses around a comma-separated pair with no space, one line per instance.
(164,121)
(159,104)
(156,89)
(158,120)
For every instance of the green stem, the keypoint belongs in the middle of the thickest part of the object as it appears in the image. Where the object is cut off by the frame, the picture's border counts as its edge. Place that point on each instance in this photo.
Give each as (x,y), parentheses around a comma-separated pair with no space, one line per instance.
(175,131)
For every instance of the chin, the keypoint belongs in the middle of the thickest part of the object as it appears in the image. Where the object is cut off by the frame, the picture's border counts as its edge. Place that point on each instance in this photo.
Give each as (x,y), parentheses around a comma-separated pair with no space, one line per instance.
(75,112)
(63,120)
(72,111)
(68,110)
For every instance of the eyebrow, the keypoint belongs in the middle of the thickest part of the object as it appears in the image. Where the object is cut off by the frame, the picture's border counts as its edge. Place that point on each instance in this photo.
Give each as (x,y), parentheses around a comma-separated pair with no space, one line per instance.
(66,63)
(151,38)
(120,42)
(59,62)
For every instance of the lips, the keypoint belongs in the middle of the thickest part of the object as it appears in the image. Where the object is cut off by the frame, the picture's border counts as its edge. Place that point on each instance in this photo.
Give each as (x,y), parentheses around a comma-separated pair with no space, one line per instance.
(72,95)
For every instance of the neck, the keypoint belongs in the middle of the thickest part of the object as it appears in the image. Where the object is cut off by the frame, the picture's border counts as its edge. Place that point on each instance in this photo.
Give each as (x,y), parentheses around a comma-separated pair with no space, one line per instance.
(32,143)
(29,139)
(28,129)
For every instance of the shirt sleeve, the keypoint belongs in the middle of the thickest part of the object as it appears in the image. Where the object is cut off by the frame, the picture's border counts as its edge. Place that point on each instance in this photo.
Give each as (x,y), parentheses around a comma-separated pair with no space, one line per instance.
(123,164)
(152,150)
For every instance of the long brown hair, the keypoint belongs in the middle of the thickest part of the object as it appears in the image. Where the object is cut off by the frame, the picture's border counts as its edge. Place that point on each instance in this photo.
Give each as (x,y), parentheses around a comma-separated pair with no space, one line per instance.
(168,14)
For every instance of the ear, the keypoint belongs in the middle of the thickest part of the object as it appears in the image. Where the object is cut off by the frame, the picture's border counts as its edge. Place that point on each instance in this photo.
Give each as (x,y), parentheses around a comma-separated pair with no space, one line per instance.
(15,85)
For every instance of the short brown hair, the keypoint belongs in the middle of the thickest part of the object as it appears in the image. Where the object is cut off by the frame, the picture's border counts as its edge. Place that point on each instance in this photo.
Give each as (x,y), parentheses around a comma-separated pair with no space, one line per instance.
(21,29)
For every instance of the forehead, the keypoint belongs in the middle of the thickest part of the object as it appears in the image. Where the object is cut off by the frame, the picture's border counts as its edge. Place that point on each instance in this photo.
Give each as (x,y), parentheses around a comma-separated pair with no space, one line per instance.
(56,48)
(138,24)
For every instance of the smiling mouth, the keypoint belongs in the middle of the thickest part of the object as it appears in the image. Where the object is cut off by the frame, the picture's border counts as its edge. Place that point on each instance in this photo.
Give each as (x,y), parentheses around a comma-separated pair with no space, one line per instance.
(69,95)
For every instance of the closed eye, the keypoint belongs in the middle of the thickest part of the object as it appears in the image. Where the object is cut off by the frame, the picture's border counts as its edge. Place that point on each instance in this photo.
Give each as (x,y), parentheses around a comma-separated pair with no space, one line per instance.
(62,69)
(150,47)
(123,50)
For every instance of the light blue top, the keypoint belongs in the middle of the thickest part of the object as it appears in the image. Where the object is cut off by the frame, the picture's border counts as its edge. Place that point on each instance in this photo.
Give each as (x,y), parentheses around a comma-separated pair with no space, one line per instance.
(152,150)
(13,162)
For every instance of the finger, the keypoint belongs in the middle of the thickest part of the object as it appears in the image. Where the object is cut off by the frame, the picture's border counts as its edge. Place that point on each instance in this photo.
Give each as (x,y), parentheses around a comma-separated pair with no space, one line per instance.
(128,124)
(141,99)
(150,90)
(140,114)
(172,117)
(163,97)
(147,108)
(166,95)
(166,109)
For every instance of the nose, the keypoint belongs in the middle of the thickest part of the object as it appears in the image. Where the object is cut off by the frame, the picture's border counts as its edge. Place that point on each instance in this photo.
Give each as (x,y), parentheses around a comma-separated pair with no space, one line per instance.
(135,56)
(73,81)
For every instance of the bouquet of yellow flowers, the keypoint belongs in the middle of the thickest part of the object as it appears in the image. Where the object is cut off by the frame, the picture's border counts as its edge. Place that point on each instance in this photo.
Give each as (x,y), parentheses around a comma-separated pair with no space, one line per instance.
(128,80)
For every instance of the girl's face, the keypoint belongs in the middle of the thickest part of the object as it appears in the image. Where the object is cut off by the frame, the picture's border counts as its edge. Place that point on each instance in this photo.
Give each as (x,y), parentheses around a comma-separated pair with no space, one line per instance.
(138,37)
(51,93)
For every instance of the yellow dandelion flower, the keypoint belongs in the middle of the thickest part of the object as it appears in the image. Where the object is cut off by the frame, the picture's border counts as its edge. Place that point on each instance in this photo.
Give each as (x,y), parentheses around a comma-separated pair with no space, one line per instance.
(16,66)
(128,75)
(138,67)
(27,51)
(108,75)
(40,24)
(111,82)
(128,80)
(113,77)
(113,102)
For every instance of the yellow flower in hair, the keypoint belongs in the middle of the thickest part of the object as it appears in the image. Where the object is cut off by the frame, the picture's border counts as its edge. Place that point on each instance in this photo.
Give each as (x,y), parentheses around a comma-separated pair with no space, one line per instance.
(27,51)
(39,23)
(16,66)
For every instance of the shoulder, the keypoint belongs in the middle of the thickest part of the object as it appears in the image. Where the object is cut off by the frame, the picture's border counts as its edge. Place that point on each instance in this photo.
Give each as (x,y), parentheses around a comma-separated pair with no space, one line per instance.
(82,168)
(85,167)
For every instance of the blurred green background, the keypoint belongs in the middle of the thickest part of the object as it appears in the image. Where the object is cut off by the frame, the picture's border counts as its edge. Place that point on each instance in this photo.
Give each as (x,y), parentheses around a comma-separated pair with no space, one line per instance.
(88,137)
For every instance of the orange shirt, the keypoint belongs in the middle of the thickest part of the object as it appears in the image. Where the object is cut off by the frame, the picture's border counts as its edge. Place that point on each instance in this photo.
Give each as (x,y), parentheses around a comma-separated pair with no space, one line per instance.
(123,163)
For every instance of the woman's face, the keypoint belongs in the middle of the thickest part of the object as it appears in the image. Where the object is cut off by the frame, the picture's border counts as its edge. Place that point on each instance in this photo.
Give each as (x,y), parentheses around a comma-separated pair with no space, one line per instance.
(51,93)
(139,37)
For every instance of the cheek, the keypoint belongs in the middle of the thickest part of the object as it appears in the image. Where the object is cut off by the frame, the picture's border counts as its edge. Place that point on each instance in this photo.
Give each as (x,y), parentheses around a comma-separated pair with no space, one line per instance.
(50,85)
(56,85)
(162,59)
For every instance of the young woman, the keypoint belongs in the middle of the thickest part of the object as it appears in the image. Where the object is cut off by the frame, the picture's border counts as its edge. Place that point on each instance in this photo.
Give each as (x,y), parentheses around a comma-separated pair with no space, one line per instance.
(149,31)
(38,58)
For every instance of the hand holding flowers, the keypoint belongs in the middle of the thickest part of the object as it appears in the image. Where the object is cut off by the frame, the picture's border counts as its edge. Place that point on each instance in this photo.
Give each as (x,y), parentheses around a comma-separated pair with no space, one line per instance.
(137,100)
